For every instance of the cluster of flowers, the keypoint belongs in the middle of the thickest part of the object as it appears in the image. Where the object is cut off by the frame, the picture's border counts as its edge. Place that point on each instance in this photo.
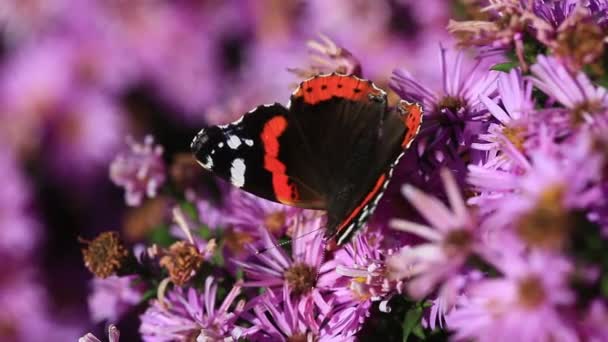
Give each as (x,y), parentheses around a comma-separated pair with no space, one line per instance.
(506,232)
(75,76)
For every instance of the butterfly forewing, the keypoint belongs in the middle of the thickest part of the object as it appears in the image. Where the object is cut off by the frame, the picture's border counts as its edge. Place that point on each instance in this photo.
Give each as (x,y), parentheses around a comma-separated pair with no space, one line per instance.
(250,152)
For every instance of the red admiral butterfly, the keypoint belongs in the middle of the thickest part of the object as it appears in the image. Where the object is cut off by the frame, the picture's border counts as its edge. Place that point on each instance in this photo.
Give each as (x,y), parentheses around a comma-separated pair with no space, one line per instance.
(332,148)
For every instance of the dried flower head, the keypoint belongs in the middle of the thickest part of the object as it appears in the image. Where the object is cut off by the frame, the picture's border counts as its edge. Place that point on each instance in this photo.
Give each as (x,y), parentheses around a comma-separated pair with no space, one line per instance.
(105,255)
(182,260)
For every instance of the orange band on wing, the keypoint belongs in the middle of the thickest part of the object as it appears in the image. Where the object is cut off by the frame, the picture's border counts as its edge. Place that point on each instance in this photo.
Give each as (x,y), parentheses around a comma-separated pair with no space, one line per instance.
(412,121)
(322,88)
(271,132)
(361,205)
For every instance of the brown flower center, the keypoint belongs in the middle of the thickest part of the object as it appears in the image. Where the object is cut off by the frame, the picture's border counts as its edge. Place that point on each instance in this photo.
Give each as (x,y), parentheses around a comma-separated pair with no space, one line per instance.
(105,255)
(515,135)
(302,337)
(531,292)
(275,221)
(548,223)
(587,108)
(451,103)
(182,261)
(457,242)
(301,278)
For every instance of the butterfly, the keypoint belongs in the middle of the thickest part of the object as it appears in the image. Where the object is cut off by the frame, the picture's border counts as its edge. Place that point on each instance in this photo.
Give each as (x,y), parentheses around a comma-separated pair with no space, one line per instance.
(333,148)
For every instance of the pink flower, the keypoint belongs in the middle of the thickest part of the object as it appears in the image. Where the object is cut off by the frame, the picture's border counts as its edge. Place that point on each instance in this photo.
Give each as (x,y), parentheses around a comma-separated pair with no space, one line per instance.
(141,170)
(524,304)
(190,314)
(112,297)
(452,238)
(113,335)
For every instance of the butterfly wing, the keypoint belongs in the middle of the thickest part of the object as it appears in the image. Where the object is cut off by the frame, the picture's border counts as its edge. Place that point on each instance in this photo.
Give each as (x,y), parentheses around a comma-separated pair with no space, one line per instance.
(356,141)
(257,153)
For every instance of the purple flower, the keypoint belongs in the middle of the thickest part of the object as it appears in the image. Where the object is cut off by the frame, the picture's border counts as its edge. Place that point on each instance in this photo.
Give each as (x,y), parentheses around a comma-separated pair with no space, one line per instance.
(360,278)
(25,313)
(285,318)
(525,304)
(451,113)
(538,207)
(187,314)
(453,236)
(85,135)
(19,231)
(593,326)
(140,170)
(301,272)
(112,297)
(514,117)
(250,213)
(113,335)
(585,102)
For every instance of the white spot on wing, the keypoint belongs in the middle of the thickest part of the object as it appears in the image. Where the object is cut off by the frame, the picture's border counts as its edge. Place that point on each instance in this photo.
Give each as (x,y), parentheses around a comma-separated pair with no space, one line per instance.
(220,144)
(234,142)
(237,172)
(248,142)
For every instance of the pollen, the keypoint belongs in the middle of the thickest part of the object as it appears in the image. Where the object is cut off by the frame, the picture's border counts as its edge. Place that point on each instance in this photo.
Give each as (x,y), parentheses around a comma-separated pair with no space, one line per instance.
(105,255)
(457,242)
(301,278)
(515,135)
(548,223)
(531,292)
(182,261)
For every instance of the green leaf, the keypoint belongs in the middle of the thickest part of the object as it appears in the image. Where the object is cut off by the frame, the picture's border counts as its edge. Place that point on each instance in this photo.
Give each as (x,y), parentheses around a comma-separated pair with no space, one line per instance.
(504,67)
(160,236)
(148,295)
(189,209)
(411,322)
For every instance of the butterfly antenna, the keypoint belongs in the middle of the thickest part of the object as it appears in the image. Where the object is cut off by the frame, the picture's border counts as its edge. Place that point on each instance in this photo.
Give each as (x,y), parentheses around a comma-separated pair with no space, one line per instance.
(265,249)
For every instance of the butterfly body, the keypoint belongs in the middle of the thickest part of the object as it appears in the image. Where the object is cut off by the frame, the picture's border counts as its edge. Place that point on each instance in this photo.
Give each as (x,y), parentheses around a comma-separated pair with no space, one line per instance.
(332,148)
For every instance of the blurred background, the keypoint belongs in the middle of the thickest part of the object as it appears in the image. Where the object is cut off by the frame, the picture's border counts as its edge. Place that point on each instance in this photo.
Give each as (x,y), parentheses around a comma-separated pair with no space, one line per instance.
(78,77)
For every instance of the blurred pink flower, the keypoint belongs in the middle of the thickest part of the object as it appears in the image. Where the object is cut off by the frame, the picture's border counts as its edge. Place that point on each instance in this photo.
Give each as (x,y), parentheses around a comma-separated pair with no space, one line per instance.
(140,170)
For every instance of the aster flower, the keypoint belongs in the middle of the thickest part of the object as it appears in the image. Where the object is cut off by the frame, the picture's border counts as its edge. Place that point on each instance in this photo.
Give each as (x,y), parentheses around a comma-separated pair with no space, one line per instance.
(250,213)
(284,317)
(451,114)
(84,135)
(585,102)
(452,238)
(302,272)
(327,57)
(514,121)
(113,335)
(112,297)
(141,170)
(360,278)
(188,314)
(507,25)
(540,206)
(525,304)
(19,231)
